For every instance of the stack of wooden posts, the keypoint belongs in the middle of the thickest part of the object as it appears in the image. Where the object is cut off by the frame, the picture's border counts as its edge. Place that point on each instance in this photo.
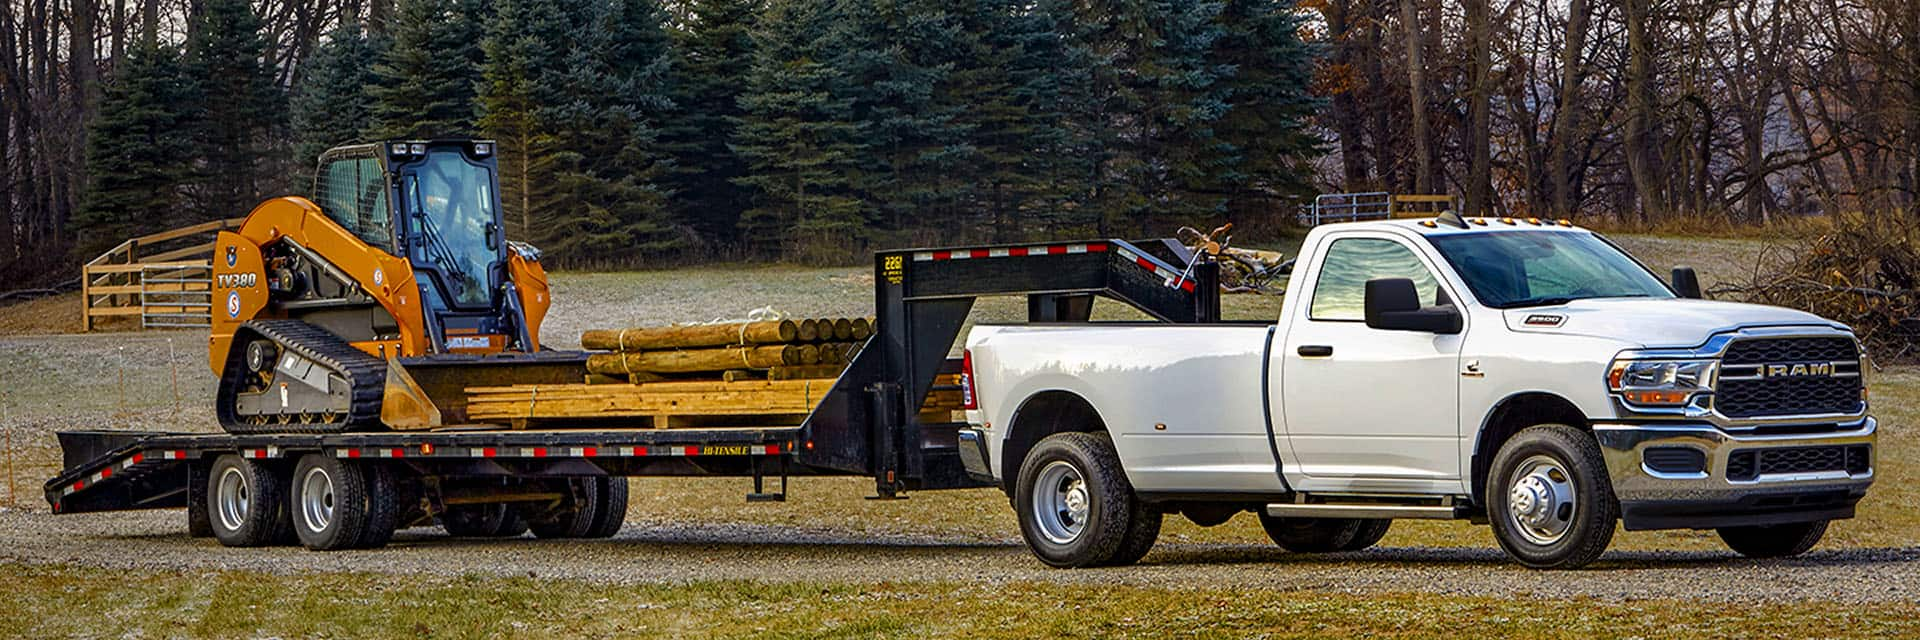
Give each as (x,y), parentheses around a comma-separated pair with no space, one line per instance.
(771,349)
(741,374)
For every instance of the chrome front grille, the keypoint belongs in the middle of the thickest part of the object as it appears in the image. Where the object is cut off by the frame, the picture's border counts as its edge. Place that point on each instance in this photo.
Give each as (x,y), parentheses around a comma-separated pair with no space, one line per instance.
(1779,377)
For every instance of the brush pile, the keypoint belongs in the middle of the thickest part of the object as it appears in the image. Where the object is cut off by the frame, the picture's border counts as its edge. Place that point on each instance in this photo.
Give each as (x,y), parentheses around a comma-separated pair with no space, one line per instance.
(1863,272)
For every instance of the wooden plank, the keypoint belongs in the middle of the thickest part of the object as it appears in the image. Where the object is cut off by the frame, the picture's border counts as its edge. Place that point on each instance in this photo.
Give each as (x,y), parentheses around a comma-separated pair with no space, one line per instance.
(138,266)
(182,232)
(114,311)
(195,250)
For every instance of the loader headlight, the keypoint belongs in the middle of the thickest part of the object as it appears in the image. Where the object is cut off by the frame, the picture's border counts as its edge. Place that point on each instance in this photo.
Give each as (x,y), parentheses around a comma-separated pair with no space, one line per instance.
(1660,382)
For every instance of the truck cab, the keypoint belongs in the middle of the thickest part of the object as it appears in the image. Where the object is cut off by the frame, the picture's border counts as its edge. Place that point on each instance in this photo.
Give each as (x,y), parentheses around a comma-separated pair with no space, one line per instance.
(1524,373)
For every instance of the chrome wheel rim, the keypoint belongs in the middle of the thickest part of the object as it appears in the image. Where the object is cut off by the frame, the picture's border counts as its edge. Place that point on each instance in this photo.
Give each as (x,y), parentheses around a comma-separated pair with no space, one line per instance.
(316,499)
(1541,500)
(232,495)
(1061,502)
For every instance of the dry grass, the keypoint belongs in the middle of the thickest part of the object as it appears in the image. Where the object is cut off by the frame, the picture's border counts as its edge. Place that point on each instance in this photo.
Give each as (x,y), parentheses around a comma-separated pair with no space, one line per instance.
(1713,226)
(65,601)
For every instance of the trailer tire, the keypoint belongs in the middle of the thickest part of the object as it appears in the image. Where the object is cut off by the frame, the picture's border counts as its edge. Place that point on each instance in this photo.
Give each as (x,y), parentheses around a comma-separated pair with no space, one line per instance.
(247,502)
(383,507)
(199,524)
(575,516)
(331,503)
(1549,498)
(1776,541)
(611,512)
(1311,535)
(1075,504)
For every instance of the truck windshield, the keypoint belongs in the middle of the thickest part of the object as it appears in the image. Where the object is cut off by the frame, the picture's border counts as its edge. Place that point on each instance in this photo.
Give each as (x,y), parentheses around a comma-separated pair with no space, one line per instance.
(1508,269)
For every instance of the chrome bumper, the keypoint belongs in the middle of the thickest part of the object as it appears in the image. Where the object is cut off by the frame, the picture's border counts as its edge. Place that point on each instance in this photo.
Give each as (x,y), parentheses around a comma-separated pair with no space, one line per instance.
(1651,499)
(973,455)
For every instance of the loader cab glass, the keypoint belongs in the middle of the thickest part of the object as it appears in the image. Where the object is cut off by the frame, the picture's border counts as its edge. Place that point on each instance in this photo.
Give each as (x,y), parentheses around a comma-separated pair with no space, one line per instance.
(351,188)
(452,225)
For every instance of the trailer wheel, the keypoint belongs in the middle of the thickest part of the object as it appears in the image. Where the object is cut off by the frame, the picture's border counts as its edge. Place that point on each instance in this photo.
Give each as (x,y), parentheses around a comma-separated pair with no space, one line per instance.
(1311,535)
(610,513)
(1549,499)
(383,507)
(575,515)
(1075,505)
(331,503)
(1776,541)
(247,503)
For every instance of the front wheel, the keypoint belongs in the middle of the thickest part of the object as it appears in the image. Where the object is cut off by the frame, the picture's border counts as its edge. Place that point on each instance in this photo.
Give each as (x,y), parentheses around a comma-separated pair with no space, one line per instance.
(1549,499)
(1775,541)
(1076,507)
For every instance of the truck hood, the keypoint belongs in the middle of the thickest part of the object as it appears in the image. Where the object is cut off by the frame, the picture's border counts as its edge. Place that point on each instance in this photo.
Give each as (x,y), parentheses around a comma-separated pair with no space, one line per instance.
(1656,323)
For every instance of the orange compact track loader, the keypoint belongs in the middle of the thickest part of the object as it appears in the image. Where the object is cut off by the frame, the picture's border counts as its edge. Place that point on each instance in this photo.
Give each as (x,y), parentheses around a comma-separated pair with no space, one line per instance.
(374,303)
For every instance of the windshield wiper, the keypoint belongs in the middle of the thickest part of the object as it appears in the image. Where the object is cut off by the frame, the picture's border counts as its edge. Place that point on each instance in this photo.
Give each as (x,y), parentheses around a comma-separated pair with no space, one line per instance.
(1543,301)
(1548,301)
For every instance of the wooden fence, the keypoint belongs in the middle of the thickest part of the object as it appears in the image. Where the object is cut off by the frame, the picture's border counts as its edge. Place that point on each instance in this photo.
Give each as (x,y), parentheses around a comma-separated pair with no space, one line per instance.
(166,279)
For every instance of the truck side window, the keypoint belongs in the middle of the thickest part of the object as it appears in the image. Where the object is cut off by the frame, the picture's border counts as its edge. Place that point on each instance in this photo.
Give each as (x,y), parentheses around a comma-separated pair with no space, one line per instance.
(1339,294)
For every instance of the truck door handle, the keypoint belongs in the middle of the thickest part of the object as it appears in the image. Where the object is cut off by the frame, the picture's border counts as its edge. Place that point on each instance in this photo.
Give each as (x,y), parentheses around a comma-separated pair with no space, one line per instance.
(1315,350)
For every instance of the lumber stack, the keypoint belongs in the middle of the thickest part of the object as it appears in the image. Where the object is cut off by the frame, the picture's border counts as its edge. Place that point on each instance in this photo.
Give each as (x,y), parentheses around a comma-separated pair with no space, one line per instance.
(744,374)
(644,354)
(690,403)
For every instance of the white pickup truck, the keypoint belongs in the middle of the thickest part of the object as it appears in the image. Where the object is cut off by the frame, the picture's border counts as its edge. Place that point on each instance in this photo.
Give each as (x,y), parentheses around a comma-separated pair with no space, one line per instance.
(1527,374)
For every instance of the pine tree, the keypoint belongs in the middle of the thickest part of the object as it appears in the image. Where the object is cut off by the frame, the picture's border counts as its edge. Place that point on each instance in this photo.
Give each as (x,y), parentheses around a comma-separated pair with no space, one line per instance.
(715,52)
(611,208)
(243,113)
(428,76)
(524,54)
(331,107)
(137,150)
(1265,142)
(799,140)
(896,58)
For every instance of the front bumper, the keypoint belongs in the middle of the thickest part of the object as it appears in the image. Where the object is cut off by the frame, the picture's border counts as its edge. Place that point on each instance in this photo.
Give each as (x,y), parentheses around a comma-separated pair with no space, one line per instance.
(1709,498)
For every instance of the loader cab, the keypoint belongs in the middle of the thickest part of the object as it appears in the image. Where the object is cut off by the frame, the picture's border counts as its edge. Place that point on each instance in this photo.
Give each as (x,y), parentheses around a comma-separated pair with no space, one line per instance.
(437,204)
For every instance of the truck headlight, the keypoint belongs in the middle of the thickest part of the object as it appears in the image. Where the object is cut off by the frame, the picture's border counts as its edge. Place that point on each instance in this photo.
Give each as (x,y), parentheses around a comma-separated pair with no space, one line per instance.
(1660,382)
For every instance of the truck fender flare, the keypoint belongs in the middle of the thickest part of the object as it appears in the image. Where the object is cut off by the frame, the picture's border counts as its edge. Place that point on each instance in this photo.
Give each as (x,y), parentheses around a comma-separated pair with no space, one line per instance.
(1043,414)
(1517,411)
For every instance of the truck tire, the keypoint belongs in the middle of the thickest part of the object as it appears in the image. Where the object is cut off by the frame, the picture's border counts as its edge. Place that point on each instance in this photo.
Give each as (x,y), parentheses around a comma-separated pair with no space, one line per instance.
(1369,534)
(1549,499)
(1775,541)
(247,501)
(1075,505)
(330,503)
(611,512)
(383,507)
(574,518)
(1142,532)
(1311,535)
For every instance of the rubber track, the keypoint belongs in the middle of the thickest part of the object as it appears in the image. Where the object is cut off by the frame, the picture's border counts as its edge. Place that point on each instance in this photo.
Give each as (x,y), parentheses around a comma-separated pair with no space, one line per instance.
(366,374)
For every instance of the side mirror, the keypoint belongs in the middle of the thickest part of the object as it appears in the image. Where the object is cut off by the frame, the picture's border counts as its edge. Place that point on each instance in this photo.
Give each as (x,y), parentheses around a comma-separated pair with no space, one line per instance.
(1686,283)
(1393,304)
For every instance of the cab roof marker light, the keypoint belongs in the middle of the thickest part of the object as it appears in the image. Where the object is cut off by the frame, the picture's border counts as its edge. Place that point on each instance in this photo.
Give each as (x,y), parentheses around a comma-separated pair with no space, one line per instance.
(1565,222)
(1533,221)
(1480,221)
(1506,221)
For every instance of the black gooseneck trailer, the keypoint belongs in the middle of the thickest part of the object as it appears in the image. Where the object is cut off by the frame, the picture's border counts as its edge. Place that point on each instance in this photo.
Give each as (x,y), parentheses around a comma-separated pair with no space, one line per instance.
(865,424)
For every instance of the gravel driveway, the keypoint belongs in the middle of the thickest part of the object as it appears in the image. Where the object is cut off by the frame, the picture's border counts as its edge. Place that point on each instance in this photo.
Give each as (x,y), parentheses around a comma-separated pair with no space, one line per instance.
(678,552)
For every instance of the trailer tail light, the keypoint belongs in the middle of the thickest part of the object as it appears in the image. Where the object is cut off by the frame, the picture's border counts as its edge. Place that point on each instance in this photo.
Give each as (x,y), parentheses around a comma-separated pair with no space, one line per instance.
(969,397)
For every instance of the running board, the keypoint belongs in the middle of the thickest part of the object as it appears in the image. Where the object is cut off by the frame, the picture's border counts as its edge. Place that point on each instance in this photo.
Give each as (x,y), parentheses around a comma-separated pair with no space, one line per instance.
(1368,511)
